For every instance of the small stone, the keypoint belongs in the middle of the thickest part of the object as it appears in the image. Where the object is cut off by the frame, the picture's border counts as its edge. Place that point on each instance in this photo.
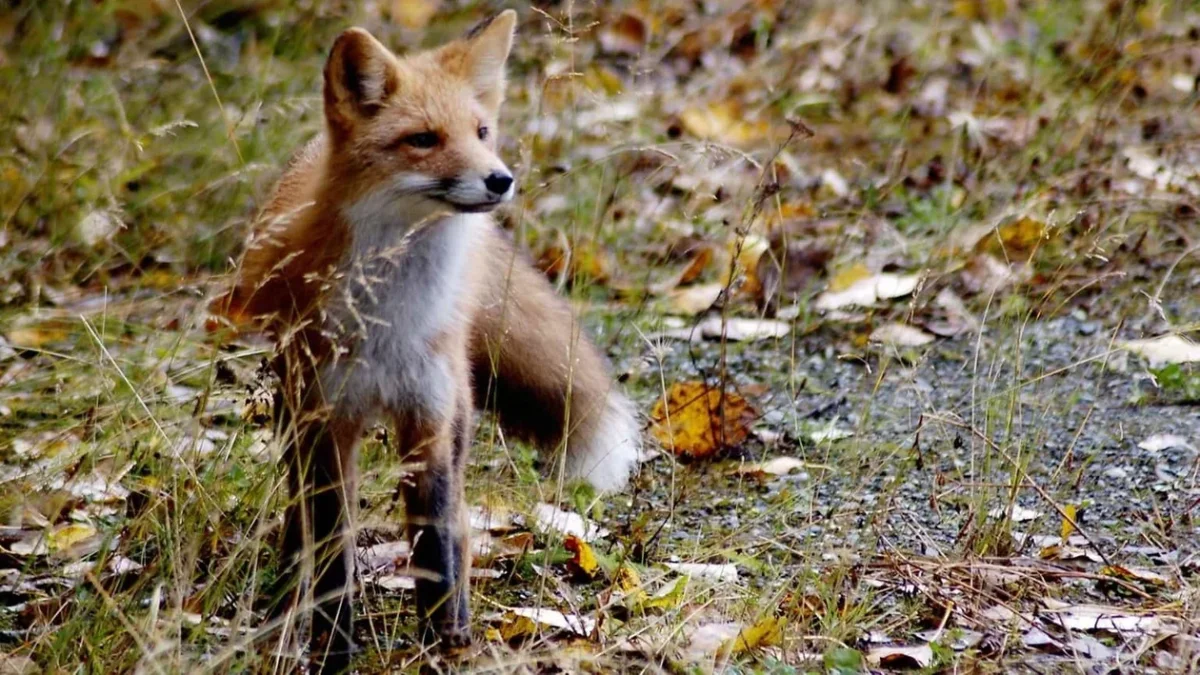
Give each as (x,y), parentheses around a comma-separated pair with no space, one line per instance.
(1116,473)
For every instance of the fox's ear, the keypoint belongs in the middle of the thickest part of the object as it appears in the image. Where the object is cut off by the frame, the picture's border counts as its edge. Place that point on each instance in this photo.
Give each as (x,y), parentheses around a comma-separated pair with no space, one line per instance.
(360,75)
(480,56)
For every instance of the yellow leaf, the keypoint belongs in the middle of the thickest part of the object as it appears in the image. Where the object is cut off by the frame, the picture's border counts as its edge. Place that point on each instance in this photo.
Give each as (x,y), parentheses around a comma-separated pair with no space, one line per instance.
(601,78)
(1068,519)
(669,596)
(516,626)
(848,277)
(724,122)
(69,535)
(413,14)
(630,585)
(492,634)
(1135,574)
(35,336)
(584,562)
(696,420)
(628,579)
(765,633)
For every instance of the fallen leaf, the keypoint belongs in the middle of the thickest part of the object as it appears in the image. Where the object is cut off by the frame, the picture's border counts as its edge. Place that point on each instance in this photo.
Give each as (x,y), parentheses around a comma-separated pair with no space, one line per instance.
(1019,514)
(779,466)
(710,639)
(1160,442)
(669,596)
(723,573)
(827,433)
(900,335)
(985,273)
(550,518)
(1101,618)
(629,584)
(731,328)
(41,334)
(724,122)
(626,35)
(1069,518)
(520,622)
(69,536)
(1164,349)
(766,633)
(694,300)
(1135,574)
(583,563)
(916,656)
(1015,239)
(695,420)
(868,291)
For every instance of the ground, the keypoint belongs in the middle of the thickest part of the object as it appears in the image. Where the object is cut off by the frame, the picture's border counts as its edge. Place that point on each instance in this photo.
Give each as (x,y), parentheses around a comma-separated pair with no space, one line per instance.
(934,265)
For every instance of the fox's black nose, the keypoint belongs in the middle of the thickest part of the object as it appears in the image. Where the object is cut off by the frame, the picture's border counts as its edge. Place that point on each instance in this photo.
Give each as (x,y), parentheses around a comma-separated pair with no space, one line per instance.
(498,183)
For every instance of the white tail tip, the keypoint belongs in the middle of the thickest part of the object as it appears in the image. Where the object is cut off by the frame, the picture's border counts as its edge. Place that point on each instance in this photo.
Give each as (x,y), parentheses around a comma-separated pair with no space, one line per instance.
(607,456)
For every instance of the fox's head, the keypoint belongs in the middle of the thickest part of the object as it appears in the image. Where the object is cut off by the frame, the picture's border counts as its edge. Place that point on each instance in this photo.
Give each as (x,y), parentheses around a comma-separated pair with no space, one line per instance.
(419,132)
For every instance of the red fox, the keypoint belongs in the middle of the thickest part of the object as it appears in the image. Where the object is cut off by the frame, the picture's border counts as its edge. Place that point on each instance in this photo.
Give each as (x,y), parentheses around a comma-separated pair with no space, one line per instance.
(391,294)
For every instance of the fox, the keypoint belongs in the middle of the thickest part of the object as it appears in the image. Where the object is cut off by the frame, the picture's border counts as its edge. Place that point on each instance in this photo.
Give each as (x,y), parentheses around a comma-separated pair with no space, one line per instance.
(391,295)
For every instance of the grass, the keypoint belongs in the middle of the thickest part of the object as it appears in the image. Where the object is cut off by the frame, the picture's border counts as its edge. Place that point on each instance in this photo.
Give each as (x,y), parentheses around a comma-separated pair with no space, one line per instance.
(128,190)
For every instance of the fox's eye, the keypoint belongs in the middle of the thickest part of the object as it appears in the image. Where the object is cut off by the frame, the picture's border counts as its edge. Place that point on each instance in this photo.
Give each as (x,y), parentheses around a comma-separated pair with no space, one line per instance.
(423,139)
(483,133)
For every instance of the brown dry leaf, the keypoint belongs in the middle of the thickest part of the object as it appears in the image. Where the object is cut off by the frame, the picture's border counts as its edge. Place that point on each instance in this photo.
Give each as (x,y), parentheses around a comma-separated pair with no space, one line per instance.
(695,420)
(696,266)
(413,14)
(916,656)
(625,35)
(724,122)
(786,270)
(583,563)
(585,261)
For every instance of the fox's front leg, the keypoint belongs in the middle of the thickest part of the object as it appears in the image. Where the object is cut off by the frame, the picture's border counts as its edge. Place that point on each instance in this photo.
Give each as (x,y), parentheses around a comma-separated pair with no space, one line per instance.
(319,539)
(436,513)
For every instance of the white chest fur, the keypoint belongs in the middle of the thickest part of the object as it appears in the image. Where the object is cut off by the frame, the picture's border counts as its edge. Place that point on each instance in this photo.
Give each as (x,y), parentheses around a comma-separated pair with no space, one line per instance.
(404,290)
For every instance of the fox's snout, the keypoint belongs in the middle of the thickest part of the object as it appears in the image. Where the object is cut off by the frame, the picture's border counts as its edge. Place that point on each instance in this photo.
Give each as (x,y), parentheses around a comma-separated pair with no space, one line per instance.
(480,191)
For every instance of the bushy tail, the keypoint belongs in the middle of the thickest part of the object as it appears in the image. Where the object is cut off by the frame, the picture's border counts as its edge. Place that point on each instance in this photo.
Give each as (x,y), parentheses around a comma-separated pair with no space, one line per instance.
(535,368)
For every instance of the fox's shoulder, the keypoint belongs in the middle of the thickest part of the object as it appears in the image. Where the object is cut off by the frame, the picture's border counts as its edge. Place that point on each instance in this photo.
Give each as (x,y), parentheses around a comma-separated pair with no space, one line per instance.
(282,246)
(298,184)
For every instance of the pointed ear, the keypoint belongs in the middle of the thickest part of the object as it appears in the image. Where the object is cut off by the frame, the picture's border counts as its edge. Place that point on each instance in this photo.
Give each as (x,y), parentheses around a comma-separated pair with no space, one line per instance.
(480,56)
(360,75)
